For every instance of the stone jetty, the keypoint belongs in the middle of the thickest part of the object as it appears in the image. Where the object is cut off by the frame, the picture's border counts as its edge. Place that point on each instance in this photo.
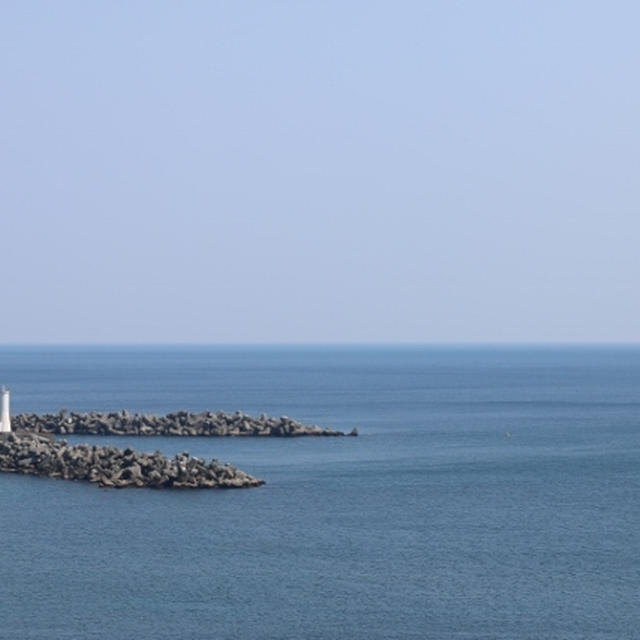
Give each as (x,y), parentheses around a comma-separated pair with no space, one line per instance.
(181,423)
(41,455)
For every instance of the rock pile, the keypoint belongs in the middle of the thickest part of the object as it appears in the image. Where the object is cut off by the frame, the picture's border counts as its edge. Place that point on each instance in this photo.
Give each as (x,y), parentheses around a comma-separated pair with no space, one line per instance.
(181,423)
(112,467)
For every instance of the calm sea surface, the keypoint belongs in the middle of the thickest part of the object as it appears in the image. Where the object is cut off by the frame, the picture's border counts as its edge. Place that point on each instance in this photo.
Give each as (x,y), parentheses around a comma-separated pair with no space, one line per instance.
(492,493)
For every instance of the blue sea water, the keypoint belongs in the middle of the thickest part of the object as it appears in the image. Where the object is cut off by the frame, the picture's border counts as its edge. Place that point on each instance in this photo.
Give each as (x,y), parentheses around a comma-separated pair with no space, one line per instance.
(494,492)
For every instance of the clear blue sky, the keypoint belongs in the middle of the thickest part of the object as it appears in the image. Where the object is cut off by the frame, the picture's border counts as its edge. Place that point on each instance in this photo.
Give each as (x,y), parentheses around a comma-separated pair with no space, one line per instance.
(319,171)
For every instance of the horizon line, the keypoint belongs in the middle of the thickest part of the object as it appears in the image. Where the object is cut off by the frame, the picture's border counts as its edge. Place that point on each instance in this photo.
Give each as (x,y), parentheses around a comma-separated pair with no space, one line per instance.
(462,343)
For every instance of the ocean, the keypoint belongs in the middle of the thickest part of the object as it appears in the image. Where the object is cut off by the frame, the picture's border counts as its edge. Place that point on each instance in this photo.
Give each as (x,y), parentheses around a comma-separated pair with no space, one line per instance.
(493,492)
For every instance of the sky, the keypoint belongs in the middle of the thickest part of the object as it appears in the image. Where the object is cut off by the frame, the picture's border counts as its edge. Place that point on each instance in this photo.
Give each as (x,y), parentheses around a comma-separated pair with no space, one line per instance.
(311,172)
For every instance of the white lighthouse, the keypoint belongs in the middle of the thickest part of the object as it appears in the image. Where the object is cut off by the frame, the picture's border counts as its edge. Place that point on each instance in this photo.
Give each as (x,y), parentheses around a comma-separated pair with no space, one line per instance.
(5,417)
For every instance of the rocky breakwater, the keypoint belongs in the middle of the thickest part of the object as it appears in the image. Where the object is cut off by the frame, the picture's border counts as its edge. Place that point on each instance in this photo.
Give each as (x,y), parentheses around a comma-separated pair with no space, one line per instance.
(106,466)
(181,423)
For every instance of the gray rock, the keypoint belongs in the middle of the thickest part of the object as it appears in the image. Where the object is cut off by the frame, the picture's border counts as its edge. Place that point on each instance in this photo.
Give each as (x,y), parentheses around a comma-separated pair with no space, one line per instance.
(180,423)
(112,467)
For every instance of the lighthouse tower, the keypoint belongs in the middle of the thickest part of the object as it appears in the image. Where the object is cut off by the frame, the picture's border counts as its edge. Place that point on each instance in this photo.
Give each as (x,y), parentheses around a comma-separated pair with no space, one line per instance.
(5,418)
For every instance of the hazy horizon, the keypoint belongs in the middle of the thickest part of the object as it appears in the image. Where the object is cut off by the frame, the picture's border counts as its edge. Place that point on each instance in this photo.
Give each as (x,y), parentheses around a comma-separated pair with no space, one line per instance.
(399,344)
(319,173)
